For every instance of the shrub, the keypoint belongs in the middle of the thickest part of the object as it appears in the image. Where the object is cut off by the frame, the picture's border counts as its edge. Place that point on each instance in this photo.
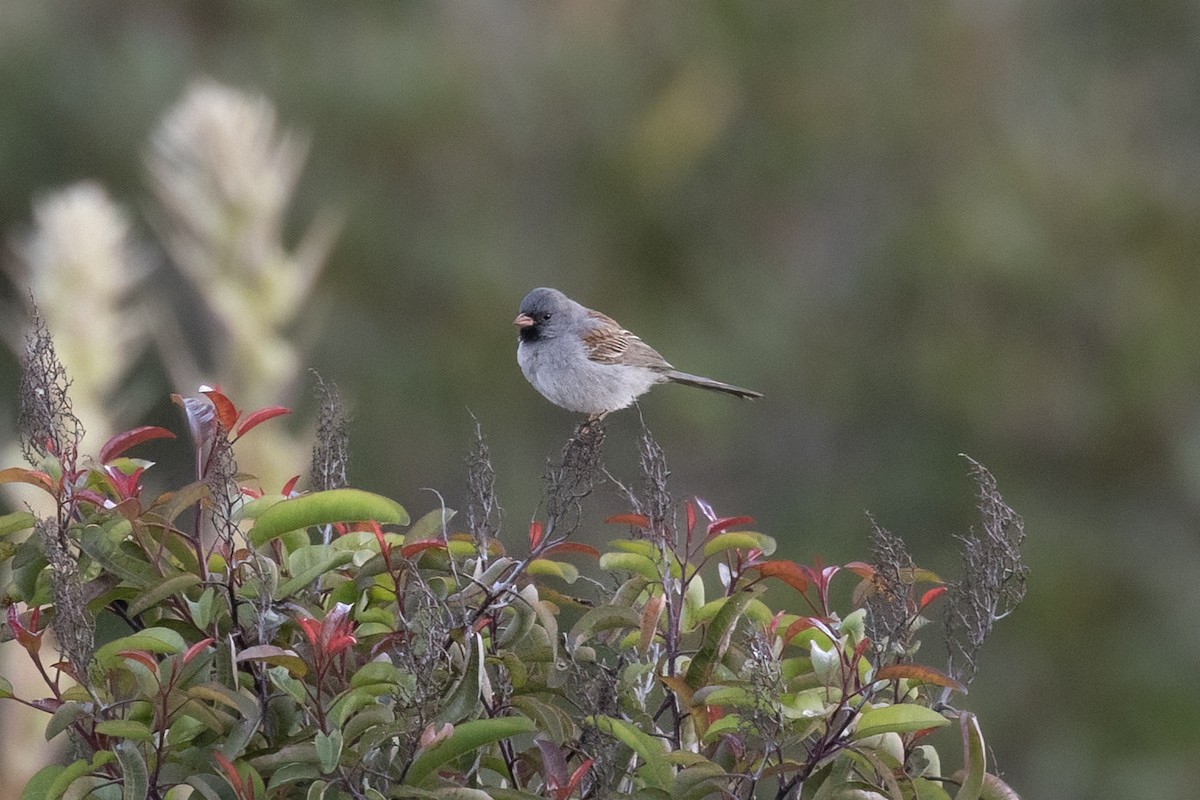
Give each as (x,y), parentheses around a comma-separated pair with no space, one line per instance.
(323,645)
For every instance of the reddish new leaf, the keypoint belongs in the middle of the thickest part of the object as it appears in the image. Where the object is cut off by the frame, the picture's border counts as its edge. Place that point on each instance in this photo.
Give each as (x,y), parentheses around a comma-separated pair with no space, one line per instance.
(789,572)
(535,534)
(636,520)
(142,657)
(572,547)
(691,517)
(415,548)
(861,569)
(123,441)
(257,418)
(290,486)
(922,674)
(574,780)
(231,772)
(227,412)
(196,649)
(30,476)
(931,595)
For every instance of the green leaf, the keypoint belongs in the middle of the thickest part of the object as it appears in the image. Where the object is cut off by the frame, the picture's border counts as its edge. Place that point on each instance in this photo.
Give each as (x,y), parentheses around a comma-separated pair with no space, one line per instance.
(704,779)
(52,782)
(635,563)
(551,720)
(974,769)
(155,594)
(16,522)
(900,718)
(656,770)
(153,640)
(331,561)
(604,618)
(430,526)
(466,737)
(62,718)
(202,609)
(463,699)
(715,637)
(926,789)
(276,657)
(323,508)
(329,750)
(98,544)
(6,689)
(557,569)
(134,774)
(739,540)
(124,729)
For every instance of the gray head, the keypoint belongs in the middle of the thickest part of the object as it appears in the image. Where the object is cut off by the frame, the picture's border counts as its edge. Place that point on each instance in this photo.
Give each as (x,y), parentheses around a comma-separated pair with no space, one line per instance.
(546,313)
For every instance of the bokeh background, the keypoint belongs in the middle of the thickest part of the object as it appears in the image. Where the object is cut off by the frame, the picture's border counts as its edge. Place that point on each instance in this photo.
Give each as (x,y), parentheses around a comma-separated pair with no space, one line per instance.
(920,229)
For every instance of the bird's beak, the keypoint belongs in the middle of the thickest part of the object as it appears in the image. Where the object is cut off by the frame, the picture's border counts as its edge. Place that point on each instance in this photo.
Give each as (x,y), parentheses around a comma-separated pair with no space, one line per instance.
(523,321)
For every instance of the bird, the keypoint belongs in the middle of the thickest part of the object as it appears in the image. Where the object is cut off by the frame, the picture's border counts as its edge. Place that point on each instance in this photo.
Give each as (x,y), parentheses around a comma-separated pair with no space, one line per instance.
(583,361)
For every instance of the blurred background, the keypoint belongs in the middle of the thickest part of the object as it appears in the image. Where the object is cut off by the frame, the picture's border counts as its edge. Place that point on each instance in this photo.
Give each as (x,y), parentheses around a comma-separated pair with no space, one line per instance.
(919,229)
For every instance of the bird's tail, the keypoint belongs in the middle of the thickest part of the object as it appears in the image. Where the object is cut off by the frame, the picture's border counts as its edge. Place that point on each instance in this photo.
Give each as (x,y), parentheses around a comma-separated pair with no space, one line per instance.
(709,383)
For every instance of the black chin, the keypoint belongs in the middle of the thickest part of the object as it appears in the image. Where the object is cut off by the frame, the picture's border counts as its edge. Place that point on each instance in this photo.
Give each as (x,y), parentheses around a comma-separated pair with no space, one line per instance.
(531,333)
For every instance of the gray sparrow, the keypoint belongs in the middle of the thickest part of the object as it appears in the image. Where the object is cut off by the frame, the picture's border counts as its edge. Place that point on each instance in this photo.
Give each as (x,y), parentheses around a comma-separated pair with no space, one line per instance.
(583,361)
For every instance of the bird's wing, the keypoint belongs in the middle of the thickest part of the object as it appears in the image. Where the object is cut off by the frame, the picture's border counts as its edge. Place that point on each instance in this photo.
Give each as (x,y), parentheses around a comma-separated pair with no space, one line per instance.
(608,343)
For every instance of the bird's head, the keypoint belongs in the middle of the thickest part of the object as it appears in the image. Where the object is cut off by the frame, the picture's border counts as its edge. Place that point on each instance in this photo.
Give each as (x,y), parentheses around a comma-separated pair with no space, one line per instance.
(544,314)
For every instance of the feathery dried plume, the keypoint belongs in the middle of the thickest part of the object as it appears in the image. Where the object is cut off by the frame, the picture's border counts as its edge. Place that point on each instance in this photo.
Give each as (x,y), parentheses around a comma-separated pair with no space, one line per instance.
(888,598)
(82,268)
(574,478)
(224,174)
(994,576)
(483,509)
(74,627)
(331,449)
(47,423)
(658,505)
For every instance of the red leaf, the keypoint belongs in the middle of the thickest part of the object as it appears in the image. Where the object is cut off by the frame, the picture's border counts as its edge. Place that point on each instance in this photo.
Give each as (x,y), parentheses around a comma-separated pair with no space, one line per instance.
(290,486)
(123,441)
(142,657)
(916,672)
(258,417)
(414,548)
(789,572)
(311,628)
(636,520)
(339,643)
(862,569)
(195,649)
(802,624)
(726,523)
(690,510)
(30,476)
(574,780)
(572,547)
(535,534)
(931,595)
(227,412)
(231,772)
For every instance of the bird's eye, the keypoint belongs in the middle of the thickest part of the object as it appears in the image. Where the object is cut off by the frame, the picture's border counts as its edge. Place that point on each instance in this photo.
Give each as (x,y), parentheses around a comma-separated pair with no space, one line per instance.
(546,317)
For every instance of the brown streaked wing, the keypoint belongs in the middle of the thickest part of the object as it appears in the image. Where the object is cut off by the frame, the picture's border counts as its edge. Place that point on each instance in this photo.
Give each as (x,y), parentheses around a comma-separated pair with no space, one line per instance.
(609,343)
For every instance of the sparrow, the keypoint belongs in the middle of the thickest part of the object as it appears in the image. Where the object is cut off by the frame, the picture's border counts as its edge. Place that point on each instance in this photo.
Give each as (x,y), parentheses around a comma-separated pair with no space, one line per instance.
(583,361)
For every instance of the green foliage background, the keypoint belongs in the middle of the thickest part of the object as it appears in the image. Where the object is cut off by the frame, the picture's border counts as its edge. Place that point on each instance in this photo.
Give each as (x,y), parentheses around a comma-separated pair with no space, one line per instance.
(919,230)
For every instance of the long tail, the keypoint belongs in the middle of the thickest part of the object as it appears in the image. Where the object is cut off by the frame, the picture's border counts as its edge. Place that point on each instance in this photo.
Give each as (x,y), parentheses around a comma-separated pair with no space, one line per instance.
(709,383)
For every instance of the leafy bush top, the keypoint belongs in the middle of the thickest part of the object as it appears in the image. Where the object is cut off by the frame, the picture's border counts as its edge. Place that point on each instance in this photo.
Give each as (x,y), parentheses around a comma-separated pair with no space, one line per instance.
(323,645)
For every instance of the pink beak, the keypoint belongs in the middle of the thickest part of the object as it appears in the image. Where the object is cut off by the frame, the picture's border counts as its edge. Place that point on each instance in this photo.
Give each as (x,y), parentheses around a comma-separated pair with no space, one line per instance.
(523,321)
